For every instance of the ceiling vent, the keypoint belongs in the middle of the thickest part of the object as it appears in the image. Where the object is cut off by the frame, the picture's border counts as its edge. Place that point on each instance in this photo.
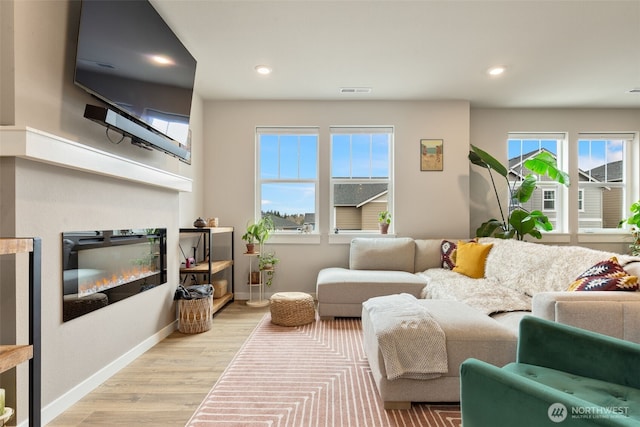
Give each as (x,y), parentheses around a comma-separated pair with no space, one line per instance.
(347,90)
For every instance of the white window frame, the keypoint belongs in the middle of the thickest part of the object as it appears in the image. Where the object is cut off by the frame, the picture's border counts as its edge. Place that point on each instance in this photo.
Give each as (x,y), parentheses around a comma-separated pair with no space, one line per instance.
(333,130)
(580,199)
(561,191)
(545,199)
(286,236)
(630,186)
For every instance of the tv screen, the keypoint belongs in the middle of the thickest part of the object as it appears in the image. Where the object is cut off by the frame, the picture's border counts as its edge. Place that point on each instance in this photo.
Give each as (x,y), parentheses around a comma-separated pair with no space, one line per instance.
(128,57)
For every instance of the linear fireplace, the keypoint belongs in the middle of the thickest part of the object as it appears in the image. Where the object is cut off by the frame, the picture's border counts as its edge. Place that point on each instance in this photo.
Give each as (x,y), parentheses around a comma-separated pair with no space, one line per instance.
(103,267)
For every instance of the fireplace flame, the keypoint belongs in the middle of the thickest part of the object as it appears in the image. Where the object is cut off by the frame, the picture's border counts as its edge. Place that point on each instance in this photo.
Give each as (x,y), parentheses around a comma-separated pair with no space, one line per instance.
(107,282)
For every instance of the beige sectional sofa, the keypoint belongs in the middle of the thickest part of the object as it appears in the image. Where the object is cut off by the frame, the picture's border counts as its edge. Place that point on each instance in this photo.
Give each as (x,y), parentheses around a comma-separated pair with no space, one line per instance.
(520,277)
(479,317)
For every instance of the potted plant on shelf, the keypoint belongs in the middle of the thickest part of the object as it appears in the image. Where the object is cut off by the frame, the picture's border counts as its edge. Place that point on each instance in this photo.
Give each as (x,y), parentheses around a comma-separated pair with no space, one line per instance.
(384,219)
(519,222)
(258,232)
(266,264)
(634,221)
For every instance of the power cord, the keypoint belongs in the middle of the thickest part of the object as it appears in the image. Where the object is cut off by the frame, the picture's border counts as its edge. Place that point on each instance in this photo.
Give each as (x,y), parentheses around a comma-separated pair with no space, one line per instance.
(106,132)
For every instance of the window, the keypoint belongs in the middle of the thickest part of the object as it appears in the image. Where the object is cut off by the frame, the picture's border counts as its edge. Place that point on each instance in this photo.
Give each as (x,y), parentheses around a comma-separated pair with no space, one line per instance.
(604,169)
(287,187)
(606,165)
(548,195)
(361,177)
(548,200)
(581,200)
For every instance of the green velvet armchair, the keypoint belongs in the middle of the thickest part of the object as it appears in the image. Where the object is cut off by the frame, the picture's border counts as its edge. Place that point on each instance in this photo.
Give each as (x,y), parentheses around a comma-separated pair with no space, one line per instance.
(564,376)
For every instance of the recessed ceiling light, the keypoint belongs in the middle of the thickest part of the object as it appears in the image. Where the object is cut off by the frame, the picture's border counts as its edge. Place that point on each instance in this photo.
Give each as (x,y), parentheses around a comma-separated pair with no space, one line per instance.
(263,69)
(497,70)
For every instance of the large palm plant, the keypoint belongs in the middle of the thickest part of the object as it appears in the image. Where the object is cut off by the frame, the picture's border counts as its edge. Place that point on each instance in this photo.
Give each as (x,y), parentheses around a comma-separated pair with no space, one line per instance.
(519,222)
(634,221)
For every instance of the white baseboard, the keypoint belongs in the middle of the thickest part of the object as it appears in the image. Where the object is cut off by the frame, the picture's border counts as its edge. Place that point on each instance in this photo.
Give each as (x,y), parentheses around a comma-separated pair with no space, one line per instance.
(64,402)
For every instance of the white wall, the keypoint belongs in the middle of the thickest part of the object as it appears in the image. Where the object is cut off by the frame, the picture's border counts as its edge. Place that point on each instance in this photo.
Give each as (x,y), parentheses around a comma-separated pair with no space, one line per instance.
(427,204)
(49,200)
(489,129)
(191,203)
(45,207)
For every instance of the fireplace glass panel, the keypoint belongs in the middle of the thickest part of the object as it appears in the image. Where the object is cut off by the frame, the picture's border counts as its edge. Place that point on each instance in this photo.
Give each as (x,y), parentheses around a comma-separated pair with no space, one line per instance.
(103,267)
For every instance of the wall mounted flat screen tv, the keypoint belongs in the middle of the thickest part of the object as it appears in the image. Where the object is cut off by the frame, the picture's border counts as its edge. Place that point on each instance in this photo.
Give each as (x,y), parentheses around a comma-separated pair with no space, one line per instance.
(128,57)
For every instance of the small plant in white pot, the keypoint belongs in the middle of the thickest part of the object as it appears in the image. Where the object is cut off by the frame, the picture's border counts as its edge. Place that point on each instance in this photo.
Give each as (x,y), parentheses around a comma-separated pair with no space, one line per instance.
(258,233)
(384,220)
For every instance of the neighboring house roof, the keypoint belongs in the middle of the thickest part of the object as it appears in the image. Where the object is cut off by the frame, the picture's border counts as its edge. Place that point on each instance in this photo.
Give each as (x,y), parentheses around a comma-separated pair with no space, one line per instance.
(515,162)
(282,223)
(356,194)
(309,218)
(612,169)
(379,197)
(517,168)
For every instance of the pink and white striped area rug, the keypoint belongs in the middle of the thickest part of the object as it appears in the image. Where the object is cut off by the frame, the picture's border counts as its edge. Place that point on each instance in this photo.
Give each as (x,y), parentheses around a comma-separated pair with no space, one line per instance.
(313,375)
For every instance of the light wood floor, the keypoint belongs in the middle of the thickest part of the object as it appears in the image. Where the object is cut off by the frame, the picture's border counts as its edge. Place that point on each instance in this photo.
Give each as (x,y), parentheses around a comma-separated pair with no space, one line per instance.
(164,386)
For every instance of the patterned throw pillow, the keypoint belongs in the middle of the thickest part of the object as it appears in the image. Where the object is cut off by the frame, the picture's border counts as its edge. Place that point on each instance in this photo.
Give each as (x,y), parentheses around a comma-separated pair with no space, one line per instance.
(605,276)
(448,252)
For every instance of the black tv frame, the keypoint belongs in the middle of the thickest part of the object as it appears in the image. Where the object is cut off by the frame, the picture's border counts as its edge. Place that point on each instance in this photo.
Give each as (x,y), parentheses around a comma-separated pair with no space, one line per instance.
(140,134)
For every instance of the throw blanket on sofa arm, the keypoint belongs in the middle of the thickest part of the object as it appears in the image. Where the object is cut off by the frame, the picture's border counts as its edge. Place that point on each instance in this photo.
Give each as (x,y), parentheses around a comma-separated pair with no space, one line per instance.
(412,343)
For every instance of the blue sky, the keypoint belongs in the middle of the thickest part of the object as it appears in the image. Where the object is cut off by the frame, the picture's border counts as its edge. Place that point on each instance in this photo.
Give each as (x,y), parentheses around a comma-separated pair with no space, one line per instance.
(293,157)
(591,153)
(288,157)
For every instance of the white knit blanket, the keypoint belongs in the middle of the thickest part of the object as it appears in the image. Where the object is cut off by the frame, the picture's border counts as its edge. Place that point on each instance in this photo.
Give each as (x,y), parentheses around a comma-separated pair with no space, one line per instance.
(514,272)
(412,343)
(486,295)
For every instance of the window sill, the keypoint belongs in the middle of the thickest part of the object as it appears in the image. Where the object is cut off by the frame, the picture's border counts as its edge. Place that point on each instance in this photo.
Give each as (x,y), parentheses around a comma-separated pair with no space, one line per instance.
(609,236)
(553,238)
(344,238)
(621,236)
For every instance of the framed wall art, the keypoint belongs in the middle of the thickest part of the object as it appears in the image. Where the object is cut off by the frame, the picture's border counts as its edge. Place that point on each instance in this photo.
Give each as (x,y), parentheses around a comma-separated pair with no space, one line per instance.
(431,155)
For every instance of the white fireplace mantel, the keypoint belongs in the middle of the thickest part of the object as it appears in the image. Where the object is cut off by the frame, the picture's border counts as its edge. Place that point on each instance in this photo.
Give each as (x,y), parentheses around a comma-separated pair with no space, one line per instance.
(36,145)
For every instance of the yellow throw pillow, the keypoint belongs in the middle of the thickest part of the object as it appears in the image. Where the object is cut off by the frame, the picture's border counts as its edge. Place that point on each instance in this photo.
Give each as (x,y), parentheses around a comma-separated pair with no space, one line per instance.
(471,258)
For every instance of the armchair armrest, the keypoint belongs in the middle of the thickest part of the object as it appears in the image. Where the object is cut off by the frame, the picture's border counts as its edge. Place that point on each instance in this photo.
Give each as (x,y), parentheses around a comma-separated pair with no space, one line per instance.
(578,351)
(616,314)
(490,396)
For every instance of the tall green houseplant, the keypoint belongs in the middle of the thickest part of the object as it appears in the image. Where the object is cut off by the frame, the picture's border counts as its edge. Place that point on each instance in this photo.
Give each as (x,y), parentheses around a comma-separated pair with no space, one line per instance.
(634,222)
(518,222)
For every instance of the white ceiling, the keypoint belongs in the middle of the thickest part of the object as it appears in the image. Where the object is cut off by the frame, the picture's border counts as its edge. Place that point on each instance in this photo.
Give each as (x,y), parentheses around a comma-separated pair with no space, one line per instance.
(558,53)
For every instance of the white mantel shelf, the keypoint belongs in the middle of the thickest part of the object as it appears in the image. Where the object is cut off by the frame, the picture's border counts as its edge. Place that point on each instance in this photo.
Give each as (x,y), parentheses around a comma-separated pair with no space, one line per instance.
(39,146)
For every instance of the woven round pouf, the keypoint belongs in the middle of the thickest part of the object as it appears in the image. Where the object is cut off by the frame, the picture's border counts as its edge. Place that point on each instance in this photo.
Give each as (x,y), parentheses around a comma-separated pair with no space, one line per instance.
(292,309)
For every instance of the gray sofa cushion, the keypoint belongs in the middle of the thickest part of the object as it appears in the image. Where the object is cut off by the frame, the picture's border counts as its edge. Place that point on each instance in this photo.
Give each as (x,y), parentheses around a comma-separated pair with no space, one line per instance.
(382,254)
(427,254)
(339,285)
